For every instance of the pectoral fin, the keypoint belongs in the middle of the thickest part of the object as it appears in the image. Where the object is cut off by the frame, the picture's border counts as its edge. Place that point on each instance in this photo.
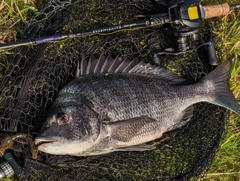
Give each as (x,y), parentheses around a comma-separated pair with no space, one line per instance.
(134,131)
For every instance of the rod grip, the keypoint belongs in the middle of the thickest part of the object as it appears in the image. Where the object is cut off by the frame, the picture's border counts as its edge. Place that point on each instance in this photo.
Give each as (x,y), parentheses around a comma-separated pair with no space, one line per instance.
(212,11)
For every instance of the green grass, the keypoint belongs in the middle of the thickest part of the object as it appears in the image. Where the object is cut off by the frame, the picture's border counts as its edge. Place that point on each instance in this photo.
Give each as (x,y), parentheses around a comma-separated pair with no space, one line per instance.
(226,165)
(14,14)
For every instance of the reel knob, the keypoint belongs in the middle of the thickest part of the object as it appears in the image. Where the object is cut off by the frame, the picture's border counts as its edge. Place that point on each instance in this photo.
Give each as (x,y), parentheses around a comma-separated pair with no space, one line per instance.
(6,171)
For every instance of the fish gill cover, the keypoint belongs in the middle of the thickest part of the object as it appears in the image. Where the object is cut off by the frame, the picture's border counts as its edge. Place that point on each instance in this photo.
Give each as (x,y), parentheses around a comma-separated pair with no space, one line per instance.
(33,76)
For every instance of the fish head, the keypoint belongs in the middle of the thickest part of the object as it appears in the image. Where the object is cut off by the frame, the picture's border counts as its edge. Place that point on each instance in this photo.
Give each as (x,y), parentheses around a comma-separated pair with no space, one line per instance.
(71,126)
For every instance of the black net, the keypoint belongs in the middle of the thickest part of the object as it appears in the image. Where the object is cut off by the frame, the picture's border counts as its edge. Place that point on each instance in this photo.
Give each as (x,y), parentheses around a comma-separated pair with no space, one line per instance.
(32,77)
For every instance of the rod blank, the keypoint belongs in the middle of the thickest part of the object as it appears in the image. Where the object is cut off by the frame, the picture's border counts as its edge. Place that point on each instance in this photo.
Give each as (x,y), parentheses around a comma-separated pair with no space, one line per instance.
(55,38)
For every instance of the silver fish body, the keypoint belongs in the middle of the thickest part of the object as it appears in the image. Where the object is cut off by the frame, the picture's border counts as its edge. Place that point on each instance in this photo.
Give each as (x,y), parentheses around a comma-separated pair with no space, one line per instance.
(116,109)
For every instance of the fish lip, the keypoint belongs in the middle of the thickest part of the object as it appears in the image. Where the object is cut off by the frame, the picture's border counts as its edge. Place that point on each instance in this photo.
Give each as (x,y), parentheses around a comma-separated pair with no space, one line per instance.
(42,140)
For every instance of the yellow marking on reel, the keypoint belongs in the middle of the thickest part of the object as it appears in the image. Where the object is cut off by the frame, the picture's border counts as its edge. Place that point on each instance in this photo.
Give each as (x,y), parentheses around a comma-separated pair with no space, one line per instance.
(193,13)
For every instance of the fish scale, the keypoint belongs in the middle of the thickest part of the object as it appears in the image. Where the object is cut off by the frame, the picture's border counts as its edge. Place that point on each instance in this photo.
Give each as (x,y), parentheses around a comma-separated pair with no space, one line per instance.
(116,97)
(122,111)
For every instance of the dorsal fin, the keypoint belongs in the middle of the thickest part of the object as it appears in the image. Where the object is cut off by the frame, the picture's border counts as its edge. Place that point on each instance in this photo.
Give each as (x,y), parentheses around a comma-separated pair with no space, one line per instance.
(109,65)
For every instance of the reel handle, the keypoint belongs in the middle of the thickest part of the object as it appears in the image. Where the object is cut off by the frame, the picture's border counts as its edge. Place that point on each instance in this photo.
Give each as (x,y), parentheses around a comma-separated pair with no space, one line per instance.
(212,11)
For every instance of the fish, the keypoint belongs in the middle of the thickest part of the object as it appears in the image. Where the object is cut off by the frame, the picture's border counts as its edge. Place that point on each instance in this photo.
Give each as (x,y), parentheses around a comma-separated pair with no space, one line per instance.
(120,105)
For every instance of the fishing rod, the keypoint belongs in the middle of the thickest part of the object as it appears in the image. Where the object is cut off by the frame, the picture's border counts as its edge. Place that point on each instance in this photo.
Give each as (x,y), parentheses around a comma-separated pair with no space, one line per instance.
(151,21)
(184,17)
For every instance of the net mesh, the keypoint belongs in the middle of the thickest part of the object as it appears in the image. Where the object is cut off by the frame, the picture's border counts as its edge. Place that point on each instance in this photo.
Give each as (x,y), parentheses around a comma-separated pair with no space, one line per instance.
(32,77)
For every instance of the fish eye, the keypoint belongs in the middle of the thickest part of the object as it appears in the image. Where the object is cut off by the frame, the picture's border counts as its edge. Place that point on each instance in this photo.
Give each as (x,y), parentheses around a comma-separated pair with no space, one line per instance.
(62,118)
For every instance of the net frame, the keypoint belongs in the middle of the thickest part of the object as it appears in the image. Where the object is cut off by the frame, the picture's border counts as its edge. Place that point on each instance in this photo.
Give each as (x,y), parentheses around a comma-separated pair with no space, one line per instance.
(34,75)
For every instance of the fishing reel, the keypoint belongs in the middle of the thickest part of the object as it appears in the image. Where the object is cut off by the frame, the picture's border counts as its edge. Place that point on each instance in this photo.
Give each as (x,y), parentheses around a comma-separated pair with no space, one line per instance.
(186,20)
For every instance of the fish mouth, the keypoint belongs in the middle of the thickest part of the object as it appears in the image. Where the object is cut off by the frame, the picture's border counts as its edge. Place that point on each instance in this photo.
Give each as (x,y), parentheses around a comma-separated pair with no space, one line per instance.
(40,141)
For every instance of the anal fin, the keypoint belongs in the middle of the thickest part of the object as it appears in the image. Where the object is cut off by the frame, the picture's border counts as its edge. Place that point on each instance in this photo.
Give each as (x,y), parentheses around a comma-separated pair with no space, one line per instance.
(186,116)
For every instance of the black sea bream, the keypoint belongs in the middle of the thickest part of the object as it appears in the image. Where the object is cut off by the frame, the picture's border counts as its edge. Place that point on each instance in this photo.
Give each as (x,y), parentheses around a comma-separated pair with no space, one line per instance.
(116,105)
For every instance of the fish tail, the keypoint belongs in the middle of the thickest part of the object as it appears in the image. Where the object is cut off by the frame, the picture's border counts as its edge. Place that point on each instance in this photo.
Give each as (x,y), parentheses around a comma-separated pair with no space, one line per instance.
(219,78)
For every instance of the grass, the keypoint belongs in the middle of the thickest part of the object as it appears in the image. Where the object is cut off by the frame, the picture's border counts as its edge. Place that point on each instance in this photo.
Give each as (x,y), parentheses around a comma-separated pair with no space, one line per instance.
(13,17)
(14,14)
(226,165)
